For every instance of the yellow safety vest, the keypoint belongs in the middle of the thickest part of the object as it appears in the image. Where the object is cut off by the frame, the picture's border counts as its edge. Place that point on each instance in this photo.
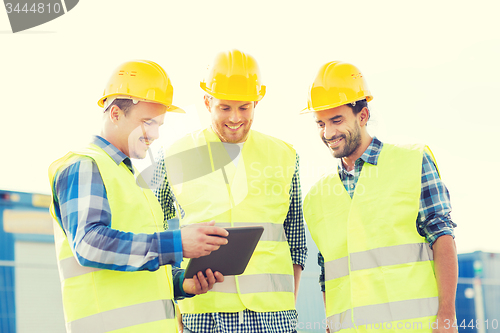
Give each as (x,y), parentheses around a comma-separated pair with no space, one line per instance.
(255,192)
(99,300)
(379,272)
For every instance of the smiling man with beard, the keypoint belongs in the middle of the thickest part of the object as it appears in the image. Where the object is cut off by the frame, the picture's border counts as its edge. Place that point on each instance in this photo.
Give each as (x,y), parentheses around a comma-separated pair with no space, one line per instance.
(209,174)
(387,254)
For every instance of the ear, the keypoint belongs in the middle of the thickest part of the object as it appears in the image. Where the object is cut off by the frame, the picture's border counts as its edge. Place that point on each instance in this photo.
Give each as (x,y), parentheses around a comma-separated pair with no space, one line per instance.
(207,102)
(255,103)
(363,116)
(115,113)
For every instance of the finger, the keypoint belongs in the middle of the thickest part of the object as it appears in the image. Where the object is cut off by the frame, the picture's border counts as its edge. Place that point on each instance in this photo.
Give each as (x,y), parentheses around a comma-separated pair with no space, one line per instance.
(206,252)
(197,286)
(216,240)
(203,282)
(210,278)
(210,248)
(216,231)
(219,276)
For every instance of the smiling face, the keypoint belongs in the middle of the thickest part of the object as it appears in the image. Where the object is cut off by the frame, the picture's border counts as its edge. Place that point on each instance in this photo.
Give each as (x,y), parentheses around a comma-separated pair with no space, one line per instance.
(231,120)
(138,128)
(340,130)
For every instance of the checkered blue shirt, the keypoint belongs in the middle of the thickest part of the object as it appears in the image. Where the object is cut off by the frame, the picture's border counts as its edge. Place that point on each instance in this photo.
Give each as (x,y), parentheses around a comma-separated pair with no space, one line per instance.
(82,209)
(433,219)
(246,321)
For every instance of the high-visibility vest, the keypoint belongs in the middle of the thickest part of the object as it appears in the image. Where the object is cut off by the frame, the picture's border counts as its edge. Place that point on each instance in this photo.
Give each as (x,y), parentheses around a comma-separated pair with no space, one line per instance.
(379,272)
(255,192)
(100,300)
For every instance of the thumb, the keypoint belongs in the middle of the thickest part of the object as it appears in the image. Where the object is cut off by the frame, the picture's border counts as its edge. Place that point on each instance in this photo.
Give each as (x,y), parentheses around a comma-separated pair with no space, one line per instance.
(211,223)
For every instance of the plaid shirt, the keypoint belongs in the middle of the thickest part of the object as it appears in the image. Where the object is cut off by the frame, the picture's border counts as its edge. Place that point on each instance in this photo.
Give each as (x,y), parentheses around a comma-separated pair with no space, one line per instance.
(246,321)
(433,219)
(82,209)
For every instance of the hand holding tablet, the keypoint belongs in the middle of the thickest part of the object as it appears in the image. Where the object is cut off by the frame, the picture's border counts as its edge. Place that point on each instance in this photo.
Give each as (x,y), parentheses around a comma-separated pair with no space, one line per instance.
(229,259)
(199,239)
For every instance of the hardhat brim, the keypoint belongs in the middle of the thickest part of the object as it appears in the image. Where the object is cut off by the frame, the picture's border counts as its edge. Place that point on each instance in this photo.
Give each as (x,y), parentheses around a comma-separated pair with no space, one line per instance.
(235,97)
(326,107)
(170,107)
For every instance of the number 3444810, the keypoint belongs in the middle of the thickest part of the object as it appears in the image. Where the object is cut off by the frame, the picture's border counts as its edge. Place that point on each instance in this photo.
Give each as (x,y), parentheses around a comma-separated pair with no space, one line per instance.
(488,324)
(36,8)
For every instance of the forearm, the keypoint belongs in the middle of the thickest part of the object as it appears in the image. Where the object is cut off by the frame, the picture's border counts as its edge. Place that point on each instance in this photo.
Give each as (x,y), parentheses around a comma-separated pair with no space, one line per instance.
(297,272)
(446,270)
(324,303)
(106,248)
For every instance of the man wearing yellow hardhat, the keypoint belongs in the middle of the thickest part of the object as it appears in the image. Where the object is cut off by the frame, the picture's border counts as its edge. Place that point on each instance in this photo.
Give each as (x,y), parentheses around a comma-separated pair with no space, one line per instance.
(380,220)
(108,225)
(240,177)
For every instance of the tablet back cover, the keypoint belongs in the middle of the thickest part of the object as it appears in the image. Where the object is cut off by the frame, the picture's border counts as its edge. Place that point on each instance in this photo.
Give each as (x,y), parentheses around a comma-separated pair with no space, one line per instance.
(232,258)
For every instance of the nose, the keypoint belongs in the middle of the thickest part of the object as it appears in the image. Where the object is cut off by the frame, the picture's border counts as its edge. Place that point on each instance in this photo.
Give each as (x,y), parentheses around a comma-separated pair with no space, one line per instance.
(329,131)
(150,132)
(153,132)
(234,116)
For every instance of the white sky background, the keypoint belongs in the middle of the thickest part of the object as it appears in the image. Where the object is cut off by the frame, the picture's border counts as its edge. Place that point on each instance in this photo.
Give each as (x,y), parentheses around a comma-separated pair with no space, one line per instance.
(432,67)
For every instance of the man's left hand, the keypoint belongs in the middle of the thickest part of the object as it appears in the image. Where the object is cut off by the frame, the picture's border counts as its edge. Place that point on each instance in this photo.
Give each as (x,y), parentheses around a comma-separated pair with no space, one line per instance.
(199,284)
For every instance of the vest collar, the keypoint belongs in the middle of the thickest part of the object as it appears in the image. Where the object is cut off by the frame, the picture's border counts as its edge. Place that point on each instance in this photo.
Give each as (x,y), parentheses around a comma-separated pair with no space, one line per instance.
(116,155)
(370,155)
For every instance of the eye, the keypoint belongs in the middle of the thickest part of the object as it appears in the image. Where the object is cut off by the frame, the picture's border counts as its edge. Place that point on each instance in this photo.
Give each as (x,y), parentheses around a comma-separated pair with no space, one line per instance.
(148,122)
(225,109)
(321,125)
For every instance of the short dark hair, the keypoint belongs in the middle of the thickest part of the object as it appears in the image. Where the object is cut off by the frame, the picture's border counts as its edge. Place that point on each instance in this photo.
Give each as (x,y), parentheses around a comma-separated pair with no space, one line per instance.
(123,103)
(357,106)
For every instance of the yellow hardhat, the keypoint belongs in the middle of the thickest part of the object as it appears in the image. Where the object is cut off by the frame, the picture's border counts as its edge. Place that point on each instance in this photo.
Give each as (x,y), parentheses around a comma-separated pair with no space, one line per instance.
(337,83)
(235,76)
(140,80)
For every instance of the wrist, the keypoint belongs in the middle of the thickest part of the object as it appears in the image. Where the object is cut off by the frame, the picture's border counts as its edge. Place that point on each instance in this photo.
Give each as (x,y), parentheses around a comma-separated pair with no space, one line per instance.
(446,313)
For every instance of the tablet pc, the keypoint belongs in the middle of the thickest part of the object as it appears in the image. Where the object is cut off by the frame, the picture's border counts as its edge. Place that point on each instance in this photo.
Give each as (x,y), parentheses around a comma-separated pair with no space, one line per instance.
(229,259)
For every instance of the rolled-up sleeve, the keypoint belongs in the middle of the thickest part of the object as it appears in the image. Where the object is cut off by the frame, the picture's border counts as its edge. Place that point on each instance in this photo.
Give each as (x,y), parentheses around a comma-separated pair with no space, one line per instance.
(433,219)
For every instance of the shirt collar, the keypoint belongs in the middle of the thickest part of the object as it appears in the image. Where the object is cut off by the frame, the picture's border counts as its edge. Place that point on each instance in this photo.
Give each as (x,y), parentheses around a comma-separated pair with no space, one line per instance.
(370,155)
(111,150)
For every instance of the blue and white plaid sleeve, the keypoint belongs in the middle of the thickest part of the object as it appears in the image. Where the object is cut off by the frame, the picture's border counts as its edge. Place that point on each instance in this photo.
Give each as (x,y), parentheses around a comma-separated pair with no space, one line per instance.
(294,222)
(433,219)
(82,207)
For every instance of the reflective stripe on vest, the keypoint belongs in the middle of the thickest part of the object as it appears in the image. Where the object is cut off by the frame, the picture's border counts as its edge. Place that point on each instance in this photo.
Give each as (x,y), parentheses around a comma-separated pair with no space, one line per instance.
(259,283)
(384,313)
(124,317)
(69,268)
(272,231)
(383,256)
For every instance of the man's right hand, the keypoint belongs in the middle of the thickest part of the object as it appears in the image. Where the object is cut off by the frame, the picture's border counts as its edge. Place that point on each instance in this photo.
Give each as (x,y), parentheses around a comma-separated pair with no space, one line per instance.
(202,238)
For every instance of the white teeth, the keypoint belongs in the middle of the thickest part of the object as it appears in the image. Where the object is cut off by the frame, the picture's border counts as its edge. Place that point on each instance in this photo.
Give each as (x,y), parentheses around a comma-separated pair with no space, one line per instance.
(334,142)
(233,127)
